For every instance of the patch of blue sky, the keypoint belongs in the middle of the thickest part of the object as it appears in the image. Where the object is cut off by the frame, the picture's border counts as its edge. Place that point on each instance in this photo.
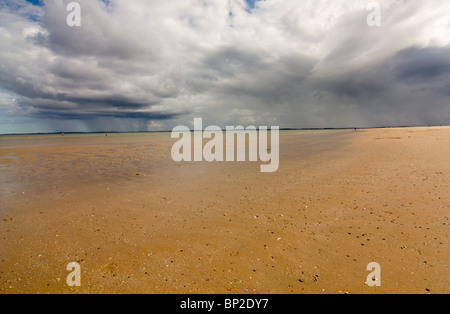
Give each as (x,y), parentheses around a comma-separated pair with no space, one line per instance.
(36,2)
(22,8)
(251,4)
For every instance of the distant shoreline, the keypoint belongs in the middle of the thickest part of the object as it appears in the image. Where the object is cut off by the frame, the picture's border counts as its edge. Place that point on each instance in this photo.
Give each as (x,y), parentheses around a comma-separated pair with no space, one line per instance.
(281,129)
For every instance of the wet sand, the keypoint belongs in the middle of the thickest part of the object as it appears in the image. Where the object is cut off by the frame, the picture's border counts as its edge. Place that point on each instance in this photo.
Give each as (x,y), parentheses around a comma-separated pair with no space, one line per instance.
(137,222)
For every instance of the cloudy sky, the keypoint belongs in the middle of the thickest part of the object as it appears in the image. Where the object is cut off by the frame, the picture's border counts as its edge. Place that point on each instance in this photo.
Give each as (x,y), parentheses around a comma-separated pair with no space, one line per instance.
(153,64)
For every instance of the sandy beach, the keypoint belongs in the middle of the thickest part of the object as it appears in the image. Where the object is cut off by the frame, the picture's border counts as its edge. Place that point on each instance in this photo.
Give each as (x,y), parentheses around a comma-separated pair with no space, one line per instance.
(138,222)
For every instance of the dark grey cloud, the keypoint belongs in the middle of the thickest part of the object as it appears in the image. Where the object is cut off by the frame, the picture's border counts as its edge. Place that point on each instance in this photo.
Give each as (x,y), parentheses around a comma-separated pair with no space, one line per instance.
(418,65)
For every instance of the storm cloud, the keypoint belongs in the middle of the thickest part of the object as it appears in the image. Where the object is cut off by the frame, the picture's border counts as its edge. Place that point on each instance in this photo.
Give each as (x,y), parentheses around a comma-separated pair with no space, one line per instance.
(151,65)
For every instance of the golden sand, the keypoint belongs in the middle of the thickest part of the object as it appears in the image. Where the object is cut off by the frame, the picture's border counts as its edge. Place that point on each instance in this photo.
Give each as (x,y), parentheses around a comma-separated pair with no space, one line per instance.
(137,222)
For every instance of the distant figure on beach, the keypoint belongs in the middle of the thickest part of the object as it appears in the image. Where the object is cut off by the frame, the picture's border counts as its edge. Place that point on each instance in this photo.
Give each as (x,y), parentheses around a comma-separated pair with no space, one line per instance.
(62,133)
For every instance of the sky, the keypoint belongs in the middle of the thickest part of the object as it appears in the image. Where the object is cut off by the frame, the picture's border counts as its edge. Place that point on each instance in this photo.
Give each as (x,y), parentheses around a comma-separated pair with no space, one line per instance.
(147,65)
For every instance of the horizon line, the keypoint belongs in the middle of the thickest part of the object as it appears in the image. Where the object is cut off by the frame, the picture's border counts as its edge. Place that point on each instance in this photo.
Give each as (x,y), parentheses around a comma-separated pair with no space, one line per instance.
(167,131)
